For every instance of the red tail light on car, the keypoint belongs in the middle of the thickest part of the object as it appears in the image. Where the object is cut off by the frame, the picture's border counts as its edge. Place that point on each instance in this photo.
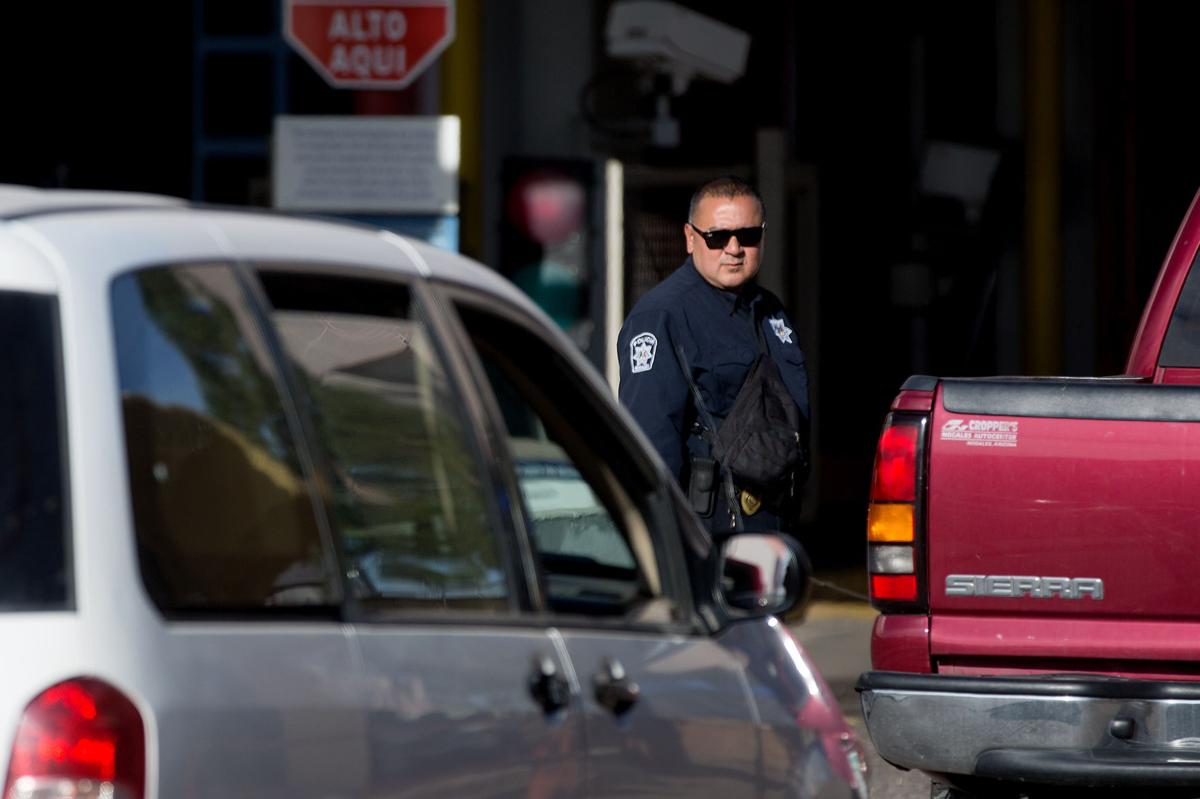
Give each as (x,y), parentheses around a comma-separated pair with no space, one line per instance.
(80,738)
(893,538)
(843,751)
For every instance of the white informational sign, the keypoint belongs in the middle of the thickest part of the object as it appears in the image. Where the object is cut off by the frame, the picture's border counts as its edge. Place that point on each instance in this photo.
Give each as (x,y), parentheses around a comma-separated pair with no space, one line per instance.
(359,164)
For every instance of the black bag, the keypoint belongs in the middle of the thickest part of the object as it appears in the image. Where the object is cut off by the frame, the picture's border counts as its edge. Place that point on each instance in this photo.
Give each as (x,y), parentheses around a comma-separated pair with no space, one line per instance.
(765,453)
(762,440)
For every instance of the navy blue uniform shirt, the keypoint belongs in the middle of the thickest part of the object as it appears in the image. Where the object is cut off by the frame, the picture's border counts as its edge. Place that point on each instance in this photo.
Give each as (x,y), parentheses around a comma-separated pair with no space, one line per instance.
(715,329)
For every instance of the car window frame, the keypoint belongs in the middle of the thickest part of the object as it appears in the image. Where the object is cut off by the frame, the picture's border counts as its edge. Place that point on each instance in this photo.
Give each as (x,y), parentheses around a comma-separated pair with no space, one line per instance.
(654,504)
(469,413)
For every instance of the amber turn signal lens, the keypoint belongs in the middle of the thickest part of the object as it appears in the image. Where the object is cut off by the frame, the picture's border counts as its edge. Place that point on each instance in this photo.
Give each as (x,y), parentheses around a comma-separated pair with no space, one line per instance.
(890,522)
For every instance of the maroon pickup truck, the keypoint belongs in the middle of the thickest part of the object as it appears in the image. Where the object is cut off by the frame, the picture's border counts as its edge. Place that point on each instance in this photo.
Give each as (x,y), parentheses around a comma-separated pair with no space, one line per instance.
(1034,552)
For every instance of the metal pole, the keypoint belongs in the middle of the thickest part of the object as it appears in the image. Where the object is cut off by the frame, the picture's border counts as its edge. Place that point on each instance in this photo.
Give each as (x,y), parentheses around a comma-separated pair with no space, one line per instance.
(1043,272)
(614,266)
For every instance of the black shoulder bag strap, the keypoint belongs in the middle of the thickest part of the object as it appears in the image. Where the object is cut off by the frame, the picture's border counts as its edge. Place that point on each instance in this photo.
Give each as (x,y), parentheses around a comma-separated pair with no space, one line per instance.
(710,424)
(757,321)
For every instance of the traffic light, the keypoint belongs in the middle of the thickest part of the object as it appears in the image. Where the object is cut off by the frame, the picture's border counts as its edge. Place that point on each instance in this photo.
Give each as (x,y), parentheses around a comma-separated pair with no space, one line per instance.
(551,242)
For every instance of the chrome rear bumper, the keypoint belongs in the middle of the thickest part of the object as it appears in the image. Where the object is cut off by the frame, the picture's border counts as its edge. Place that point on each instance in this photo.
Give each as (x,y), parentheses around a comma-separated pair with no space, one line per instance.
(1072,730)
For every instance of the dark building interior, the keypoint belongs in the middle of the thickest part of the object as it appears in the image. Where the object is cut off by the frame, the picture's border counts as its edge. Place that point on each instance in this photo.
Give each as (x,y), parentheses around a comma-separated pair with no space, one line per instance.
(1069,115)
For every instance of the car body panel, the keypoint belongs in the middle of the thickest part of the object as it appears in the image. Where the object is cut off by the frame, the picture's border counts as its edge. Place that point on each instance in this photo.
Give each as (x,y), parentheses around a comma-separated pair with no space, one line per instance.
(693,719)
(450,712)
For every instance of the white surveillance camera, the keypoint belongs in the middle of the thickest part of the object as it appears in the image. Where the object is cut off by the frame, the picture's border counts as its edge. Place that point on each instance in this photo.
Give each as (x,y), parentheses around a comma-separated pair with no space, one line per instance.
(676,40)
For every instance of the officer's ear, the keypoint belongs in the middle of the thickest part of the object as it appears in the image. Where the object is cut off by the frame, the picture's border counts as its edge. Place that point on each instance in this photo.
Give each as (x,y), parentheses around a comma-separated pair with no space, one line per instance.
(688,236)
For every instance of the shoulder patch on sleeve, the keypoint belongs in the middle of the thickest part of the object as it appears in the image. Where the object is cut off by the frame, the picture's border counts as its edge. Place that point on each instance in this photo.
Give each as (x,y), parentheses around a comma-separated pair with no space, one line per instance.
(641,352)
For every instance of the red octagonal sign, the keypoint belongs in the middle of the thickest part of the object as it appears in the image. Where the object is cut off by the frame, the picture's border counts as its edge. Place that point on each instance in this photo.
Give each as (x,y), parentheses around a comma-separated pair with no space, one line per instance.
(383,44)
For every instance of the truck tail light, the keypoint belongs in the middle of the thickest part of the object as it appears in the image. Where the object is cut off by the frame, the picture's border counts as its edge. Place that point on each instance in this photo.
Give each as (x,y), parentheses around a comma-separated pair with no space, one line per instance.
(890,521)
(895,477)
(893,515)
(80,738)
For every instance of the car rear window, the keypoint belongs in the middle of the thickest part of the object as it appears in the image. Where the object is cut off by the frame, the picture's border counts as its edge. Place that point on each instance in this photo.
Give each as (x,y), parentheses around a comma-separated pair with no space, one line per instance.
(34,571)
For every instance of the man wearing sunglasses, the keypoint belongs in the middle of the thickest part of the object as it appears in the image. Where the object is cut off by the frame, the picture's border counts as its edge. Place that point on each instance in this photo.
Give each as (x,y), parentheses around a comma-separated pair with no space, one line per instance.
(693,343)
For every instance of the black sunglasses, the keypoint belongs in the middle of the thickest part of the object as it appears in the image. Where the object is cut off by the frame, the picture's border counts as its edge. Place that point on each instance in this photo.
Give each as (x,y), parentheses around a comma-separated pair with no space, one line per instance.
(717,239)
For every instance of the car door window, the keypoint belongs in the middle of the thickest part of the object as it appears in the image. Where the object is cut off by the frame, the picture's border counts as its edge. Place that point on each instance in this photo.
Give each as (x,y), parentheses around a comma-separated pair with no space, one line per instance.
(405,490)
(224,516)
(583,498)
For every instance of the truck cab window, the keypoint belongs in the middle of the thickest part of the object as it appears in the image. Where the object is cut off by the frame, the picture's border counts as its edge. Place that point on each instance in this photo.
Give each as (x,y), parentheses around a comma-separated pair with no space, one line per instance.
(1181,347)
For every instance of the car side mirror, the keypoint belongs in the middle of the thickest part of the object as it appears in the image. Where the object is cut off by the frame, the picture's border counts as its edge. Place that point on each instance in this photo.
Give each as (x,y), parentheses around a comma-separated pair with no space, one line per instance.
(763,573)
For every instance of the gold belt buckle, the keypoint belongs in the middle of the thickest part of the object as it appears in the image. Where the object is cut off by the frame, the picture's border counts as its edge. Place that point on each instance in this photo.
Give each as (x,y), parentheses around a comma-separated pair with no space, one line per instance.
(750,503)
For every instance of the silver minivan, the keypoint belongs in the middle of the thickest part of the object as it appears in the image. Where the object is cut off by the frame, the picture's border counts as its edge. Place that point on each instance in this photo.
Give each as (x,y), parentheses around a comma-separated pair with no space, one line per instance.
(292,508)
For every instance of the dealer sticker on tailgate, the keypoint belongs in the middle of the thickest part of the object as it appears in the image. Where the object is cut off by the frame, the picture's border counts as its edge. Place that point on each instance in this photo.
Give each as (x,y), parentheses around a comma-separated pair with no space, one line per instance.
(980,432)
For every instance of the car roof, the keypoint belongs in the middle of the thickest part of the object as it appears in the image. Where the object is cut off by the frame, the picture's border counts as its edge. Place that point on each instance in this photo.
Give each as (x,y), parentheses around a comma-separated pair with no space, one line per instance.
(104,234)
(17,201)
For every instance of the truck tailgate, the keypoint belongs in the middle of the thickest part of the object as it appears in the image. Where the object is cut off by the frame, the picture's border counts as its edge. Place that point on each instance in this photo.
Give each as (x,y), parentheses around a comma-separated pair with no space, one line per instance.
(1062,519)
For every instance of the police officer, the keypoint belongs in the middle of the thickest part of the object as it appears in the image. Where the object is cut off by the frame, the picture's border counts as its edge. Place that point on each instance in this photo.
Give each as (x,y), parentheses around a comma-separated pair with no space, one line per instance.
(710,320)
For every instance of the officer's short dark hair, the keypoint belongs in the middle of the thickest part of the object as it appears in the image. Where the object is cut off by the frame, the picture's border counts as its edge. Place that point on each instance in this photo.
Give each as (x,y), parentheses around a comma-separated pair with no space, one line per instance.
(727,187)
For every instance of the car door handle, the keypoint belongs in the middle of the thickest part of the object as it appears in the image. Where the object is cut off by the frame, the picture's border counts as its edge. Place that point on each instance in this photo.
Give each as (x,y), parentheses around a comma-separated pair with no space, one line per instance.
(547,686)
(613,688)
